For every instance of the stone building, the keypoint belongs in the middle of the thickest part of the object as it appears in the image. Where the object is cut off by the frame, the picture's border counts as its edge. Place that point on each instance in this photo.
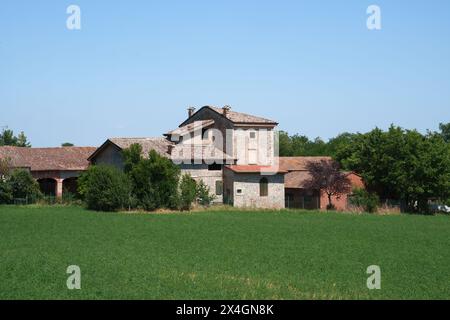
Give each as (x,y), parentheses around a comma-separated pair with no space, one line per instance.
(55,169)
(232,152)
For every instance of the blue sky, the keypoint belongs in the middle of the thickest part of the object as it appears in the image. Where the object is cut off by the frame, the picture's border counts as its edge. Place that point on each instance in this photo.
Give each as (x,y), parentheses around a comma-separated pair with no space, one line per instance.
(135,66)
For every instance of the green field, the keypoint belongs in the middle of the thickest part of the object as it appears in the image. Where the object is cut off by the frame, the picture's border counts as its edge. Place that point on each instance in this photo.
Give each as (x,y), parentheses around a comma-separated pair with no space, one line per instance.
(221,255)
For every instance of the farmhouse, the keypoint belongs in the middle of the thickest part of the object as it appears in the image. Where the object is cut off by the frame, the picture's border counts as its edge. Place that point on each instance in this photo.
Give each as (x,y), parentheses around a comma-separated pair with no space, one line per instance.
(55,169)
(235,154)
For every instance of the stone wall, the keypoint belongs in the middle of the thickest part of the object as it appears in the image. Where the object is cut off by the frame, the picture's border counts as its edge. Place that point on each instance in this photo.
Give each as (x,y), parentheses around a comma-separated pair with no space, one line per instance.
(249,185)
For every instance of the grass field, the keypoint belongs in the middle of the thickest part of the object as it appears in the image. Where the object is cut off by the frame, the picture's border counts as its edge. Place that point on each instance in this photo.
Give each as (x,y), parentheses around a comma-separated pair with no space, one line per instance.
(221,255)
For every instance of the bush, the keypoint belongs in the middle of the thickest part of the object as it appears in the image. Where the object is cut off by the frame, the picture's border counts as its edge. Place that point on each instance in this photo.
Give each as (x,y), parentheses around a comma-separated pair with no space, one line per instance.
(204,197)
(368,201)
(188,192)
(6,195)
(154,182)
(23,185)
(105,188)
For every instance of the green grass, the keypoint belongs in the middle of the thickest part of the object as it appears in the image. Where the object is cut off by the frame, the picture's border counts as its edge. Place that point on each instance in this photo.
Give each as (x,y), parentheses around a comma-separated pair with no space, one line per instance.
(221,255)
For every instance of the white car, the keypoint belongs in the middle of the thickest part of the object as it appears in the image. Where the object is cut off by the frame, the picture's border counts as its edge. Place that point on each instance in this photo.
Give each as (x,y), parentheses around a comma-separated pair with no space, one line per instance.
(440,208)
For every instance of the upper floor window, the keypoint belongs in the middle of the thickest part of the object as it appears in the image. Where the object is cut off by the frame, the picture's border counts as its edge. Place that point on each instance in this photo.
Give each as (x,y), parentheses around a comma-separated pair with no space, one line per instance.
(252,134)
(263,187)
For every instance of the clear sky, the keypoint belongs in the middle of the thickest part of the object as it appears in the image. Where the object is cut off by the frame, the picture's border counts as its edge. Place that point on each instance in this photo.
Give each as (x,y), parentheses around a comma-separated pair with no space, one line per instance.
(135,66)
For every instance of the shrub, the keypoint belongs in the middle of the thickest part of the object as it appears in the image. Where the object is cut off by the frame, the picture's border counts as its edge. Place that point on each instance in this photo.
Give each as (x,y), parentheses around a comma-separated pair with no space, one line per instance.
(368,201)
(154,182)
(6,195)
(104,188)
(188,192)
(23,185)
(204,197)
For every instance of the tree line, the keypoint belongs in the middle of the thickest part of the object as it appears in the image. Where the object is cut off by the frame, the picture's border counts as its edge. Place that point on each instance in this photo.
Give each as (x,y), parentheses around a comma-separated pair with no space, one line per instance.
(396,164)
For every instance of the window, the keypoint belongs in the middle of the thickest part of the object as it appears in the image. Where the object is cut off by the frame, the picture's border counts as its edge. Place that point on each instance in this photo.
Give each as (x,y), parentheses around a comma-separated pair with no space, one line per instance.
(263,187)
(252,135)
(219,188)
(214,167)
(239,191)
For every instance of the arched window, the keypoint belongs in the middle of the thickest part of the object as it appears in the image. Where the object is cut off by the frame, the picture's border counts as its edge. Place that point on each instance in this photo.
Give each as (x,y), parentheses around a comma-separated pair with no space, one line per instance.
(263,187)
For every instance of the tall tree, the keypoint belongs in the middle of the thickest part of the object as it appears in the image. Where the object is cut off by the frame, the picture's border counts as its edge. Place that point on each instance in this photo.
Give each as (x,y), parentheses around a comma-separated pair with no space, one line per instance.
(7,138)
(445,131)
(401,164)
(327,177)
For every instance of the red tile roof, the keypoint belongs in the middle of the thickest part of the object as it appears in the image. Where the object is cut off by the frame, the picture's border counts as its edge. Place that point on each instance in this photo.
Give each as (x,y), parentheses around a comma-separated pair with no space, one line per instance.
(48,159)
(299,163)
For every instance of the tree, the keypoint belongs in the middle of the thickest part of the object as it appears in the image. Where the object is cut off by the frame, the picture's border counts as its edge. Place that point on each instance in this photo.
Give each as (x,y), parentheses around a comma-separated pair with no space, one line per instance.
(23,185)
(22,140)
(67,144)
(7,138)
(327,177)
(401,164)
(154,180)
(132,156)
(188,192)
(445,131)
(300,145)
(104,188)
(6,195)
(285,145)
(204,197)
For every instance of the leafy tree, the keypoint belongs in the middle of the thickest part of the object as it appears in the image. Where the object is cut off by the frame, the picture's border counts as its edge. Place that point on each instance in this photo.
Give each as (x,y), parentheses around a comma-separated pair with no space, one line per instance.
(327,177)
(67,144)
(7,138)
(155,181)
(188,192)
(204,197)
(104,188)
(23,185)
(300,145)
(6,195)
(401,164)
(22,140)
(132,156)
(285,145)
(445,131)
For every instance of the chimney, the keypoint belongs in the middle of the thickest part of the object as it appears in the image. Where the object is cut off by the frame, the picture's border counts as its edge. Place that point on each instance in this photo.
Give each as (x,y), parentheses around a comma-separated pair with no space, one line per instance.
(191,111)
(225,110)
